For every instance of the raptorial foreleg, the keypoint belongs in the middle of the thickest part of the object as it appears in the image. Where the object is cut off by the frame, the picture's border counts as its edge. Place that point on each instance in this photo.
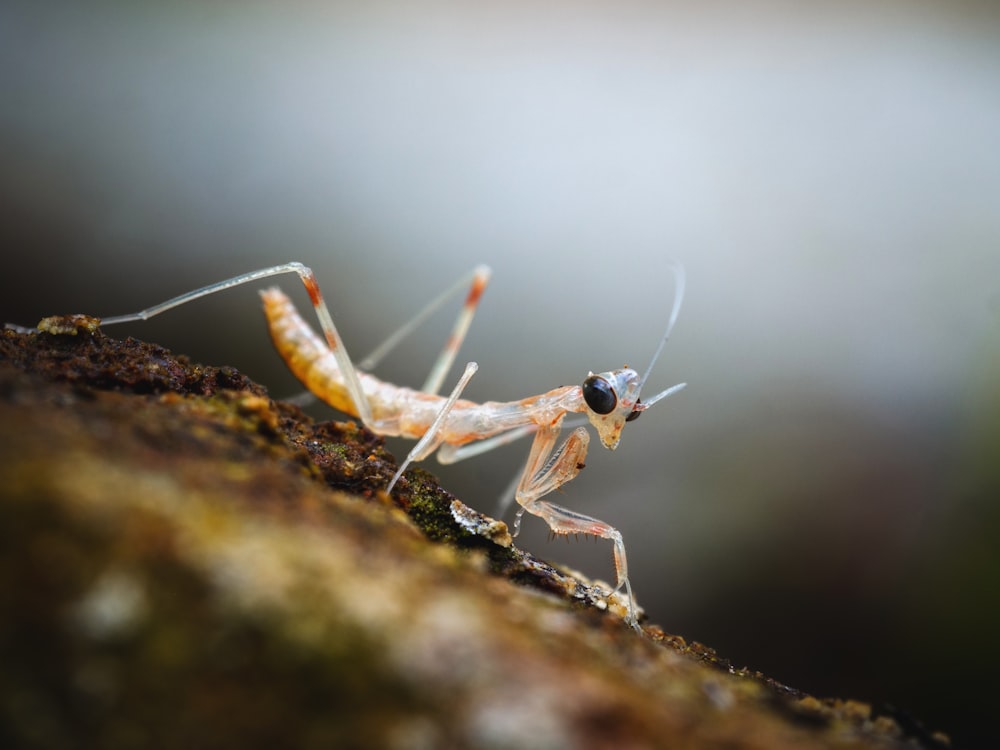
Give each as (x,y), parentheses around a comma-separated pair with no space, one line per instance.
(548,470)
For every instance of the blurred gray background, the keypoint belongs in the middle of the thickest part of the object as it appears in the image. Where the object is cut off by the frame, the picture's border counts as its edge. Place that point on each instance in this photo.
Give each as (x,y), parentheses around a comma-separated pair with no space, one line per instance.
(821,503)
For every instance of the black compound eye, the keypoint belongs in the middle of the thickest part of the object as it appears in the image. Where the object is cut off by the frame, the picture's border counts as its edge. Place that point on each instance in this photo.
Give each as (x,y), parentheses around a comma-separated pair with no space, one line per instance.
(599,395)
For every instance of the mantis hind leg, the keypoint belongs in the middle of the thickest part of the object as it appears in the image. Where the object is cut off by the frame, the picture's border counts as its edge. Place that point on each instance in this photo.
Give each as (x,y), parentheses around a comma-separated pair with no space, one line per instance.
(476,281)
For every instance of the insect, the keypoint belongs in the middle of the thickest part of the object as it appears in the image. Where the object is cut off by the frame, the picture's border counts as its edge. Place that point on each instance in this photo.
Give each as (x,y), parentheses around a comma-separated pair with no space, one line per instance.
(456,428)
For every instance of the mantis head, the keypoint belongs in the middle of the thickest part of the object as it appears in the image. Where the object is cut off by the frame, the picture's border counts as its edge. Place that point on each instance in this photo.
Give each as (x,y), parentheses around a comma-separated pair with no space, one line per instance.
(612,397)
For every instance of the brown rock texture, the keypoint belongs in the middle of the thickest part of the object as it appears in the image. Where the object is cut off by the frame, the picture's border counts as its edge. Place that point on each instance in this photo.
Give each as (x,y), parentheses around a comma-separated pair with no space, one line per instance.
(188,563)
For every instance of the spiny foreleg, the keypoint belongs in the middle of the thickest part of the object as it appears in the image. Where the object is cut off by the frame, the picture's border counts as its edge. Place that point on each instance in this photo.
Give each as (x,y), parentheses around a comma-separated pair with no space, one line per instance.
(546,471)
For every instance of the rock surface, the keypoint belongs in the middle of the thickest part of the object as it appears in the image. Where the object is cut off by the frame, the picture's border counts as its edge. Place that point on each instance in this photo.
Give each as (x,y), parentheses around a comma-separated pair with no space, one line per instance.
(186,562)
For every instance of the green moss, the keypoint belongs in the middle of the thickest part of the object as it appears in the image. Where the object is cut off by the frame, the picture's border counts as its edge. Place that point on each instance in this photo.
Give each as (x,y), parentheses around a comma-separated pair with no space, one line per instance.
(430,508)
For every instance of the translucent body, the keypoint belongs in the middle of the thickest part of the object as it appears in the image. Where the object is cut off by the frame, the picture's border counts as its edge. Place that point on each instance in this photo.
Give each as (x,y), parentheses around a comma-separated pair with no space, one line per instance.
(454,427)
